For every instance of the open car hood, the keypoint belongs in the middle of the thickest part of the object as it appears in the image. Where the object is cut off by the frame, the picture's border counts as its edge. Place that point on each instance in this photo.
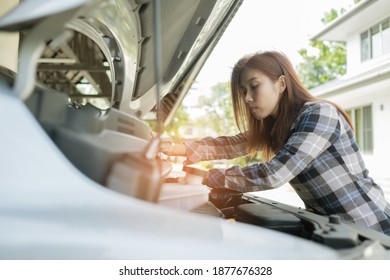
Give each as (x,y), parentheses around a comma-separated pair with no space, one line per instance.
(92,72)
(110,60)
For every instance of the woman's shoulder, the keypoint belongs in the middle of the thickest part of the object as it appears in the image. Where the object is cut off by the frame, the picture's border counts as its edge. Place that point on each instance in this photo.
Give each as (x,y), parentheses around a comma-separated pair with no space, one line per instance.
(322,108)
(315,111)
(319,104)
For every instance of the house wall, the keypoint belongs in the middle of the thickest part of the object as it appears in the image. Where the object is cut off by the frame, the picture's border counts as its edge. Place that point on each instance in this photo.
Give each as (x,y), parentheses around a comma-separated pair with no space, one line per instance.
(354,63)
(374,92)
(378,95)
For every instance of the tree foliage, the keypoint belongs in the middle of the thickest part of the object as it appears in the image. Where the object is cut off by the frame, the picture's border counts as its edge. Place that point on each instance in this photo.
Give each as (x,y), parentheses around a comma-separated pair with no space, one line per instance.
(217,110)
(324,60)
(180,119)
(216,116)
(325,64)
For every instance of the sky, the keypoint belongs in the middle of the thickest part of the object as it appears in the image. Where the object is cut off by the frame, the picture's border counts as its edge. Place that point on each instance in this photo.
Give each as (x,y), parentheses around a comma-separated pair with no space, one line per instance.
(282,25)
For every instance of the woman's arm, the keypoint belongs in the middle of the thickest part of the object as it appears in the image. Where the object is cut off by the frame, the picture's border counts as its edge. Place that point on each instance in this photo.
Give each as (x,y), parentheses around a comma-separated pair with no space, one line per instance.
(223,147)
(174,150)
(315,129)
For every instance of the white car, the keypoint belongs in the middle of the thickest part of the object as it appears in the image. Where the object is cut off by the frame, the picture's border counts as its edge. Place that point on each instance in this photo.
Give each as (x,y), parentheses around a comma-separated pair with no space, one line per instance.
(80,173)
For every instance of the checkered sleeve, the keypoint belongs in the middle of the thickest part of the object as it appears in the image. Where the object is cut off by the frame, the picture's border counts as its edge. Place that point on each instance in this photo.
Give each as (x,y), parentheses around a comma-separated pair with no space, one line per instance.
(315,128)
(223,147)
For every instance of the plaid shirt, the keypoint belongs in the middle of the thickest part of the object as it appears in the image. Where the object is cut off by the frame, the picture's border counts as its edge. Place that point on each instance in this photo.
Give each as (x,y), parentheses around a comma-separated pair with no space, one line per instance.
(320,160)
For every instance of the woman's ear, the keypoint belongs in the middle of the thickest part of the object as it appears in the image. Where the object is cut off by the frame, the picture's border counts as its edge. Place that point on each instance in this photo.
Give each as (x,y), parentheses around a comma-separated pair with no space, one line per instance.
(282,83)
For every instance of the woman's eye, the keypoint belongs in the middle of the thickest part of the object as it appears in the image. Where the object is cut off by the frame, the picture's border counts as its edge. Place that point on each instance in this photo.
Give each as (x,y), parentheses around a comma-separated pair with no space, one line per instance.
(253,87)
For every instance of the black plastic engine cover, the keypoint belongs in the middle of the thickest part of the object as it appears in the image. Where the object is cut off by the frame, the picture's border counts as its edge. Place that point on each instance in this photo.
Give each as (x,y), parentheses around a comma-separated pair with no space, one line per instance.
(269,217)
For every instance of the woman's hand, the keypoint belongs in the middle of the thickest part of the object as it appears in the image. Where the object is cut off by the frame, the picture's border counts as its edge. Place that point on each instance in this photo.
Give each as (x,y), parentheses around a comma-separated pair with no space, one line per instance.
(170,149)
(177,150)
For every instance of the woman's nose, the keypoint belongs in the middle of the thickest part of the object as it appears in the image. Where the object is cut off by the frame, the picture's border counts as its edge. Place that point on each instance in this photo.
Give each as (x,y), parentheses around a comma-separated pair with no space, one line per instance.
(248,97)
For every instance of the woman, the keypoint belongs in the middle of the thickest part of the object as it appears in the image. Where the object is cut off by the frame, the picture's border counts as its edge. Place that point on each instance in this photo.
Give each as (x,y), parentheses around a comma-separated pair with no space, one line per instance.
(303,140)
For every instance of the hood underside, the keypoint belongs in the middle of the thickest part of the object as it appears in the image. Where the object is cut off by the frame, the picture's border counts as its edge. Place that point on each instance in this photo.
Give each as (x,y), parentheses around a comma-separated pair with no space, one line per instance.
(110,59)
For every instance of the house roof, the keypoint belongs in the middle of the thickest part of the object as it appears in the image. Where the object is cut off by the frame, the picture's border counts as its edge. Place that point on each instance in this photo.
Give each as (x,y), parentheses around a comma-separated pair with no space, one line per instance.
(359,17)
(346,83)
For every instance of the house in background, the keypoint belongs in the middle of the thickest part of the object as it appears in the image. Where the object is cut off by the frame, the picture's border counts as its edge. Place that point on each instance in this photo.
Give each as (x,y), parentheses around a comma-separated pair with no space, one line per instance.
(364,92)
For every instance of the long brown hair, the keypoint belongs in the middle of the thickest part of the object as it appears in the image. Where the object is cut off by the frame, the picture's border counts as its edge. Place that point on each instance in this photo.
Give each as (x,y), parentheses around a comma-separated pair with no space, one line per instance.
(269,135)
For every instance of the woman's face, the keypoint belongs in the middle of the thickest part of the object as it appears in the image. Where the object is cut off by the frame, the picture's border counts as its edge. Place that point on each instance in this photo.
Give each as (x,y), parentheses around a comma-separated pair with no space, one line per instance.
(261,93)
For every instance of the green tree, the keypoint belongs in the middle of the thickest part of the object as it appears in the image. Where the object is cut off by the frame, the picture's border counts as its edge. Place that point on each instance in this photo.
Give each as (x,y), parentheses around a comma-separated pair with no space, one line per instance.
(218,111)
(325,60)
(325,64)
(180,119)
